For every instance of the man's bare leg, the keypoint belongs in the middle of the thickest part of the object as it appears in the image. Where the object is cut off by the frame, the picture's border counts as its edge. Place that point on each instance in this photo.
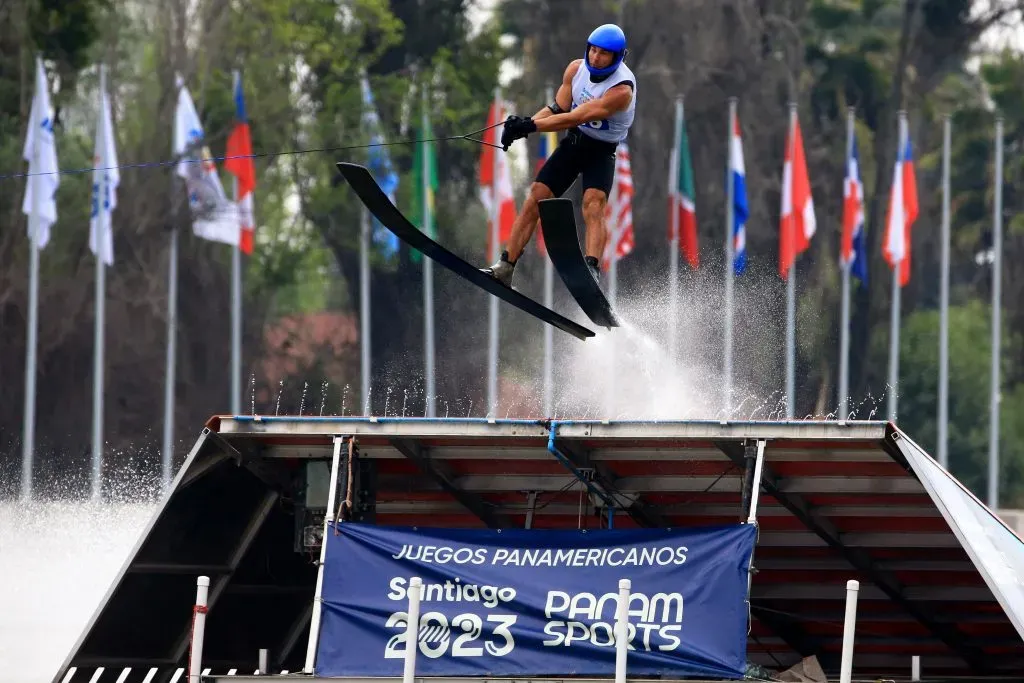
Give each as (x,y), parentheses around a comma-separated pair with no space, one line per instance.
(522,230)
(596,235)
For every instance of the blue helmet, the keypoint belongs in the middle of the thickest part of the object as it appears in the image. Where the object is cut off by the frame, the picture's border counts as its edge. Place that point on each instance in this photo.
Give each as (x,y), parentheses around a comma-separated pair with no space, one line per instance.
(607,37)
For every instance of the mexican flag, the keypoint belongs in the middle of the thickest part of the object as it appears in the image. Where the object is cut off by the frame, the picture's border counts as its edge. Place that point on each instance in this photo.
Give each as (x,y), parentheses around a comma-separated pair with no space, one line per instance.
(682,210)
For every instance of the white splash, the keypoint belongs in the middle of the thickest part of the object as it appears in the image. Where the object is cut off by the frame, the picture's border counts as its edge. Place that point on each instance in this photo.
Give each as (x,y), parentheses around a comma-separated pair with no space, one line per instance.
(57,560)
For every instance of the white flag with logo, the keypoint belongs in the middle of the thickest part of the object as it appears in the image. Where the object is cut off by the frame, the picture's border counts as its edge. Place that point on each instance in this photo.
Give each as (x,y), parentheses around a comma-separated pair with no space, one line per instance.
(41,154)
(214,217)
(105,179)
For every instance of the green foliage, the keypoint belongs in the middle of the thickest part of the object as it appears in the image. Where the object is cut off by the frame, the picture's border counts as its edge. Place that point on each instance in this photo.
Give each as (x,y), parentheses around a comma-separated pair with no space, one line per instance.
(969,391)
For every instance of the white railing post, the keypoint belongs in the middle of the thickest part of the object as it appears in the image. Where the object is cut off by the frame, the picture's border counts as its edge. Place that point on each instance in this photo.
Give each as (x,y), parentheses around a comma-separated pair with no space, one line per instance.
(198,628)
(622,630)
(412,630)
(849,626)
(314,622)
(263,667)
(915,668)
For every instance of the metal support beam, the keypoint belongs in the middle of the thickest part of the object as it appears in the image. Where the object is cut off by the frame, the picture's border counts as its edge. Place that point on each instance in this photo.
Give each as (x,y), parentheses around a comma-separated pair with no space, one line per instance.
(252,530)
(441,474)
(860,560)
(644,514)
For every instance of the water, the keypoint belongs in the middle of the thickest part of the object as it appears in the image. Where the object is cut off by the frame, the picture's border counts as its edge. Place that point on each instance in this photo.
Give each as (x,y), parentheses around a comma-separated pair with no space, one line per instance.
(57,560)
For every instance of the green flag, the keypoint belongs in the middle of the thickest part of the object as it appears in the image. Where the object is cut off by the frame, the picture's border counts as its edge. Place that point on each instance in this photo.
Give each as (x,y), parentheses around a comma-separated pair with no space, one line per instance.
(424,173)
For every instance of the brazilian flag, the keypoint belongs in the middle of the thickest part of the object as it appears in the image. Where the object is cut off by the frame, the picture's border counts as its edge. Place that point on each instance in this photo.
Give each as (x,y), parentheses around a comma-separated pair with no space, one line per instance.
(424,173)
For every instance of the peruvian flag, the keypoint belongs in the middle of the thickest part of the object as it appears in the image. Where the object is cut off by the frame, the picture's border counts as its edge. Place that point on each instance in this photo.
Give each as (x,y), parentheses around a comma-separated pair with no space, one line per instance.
(619,210)
(496,180)
(682,209)
(548,142)
(239,164)
(901,214)
(798,223)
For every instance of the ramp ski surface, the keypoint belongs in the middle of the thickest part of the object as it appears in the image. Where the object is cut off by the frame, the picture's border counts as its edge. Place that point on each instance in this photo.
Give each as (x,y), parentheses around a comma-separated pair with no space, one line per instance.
(360,179)
(558,222)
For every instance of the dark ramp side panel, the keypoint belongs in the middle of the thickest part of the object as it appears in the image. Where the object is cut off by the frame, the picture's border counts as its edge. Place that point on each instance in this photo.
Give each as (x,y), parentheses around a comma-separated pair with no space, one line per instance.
(228,524)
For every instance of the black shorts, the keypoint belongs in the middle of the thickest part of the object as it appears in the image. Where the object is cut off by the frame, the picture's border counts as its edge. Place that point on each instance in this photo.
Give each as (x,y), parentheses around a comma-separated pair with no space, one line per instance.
(579,155)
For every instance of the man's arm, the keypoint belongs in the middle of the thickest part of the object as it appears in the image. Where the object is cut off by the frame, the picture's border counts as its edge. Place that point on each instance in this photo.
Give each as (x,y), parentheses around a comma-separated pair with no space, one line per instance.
(615,100)
(564,95)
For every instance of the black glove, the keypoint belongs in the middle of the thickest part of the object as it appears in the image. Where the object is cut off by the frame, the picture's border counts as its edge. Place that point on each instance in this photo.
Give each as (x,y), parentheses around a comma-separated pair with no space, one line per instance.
(516,127)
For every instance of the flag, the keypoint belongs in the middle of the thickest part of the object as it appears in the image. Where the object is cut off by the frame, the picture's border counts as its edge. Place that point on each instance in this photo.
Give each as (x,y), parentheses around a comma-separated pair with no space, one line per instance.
(853,254)
(619,210)
(380,166)
(214,217)
(681,198)
(500,186)
(548,143)
(797,222)
(416,214)
(39,138)
(240,165)
(901,214)
(741,212)
(105,179)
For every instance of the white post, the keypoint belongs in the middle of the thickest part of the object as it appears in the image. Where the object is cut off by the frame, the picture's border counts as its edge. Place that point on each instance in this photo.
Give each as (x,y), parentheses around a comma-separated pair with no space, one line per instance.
(915,668)
(755,492)
(264,662)
(492,342)
(673,252)
(198,627)
(549,331)
(103,218)
(430,384)
(622,630)
(846,663)
(172,335)
(791,282)
(944,304)
(364,309)
(997,288)
(314,625)
(412,630)
(29,415)
(730,256)
(844,330)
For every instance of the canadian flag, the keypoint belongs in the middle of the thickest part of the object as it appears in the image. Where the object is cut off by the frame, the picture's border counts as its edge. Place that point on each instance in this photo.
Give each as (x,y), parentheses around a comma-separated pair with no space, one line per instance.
(496,181)
(619,210)
(798,222)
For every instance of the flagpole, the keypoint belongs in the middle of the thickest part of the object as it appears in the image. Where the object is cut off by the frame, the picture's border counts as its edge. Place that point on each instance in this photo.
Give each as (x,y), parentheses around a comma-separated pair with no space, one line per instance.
(730,219)
(791,278)
(29,413)
(997,289)
(549,336)
(364,308)
(844,332)
(492,355)
(428,277)
(673,258)
(172,334)
(944,305)
(236,303)
(894,323)
(613,258)
(102,220)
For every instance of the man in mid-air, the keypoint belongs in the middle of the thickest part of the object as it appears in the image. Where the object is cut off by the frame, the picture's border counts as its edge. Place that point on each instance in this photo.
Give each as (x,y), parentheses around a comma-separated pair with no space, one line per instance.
(595,103)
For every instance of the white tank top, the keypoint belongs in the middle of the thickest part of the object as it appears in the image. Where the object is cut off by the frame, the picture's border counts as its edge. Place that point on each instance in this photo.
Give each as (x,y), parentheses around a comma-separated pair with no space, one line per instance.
(616,127)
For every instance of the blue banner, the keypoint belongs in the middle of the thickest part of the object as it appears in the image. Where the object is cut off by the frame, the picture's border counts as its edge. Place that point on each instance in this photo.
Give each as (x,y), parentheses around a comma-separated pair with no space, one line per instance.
(533,603)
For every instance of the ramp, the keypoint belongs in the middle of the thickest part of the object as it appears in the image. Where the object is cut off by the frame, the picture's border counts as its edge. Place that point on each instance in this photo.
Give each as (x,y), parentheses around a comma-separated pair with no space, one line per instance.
(940,575)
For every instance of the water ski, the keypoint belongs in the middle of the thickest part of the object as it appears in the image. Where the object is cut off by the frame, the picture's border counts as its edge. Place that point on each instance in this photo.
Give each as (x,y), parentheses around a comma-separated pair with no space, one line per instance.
(558,222)
(370,193)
